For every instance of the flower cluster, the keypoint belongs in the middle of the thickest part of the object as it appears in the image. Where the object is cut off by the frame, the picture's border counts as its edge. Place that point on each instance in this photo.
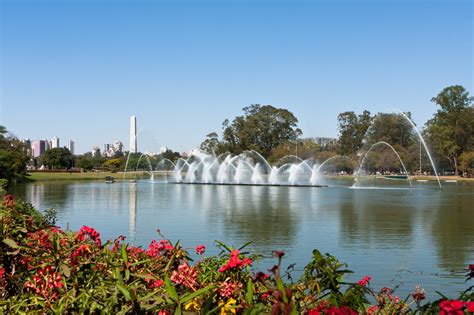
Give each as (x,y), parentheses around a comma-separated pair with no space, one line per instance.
(365,281)
(92,233)
(455,307)
(156,248)
(200,249)
(9,201)
(185,275)
(229,288)
(235,262)
(325,308)
(45,283)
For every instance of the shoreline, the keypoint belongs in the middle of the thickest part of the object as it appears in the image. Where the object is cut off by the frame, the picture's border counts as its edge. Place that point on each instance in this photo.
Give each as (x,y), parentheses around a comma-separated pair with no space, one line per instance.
(118,176)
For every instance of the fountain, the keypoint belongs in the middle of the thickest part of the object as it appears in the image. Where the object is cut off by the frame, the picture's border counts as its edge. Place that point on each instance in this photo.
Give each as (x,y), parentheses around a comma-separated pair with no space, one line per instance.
(361,165)
(247,168)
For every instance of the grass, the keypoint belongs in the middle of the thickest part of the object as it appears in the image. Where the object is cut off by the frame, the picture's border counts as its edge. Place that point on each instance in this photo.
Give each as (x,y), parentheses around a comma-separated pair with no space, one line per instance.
(50,176)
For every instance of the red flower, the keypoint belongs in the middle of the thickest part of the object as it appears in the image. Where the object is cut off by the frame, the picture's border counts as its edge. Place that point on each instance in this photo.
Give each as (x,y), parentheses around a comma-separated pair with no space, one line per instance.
(373,309)
(154,283)
(453,307)
(92,233)
(2,272)
(418,294)
(235,262)
(364,281)
(200,249)
(278,253)
(470,307)
(9,201)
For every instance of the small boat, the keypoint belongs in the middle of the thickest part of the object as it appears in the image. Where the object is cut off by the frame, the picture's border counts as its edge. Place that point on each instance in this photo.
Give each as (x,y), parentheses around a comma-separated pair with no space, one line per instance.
(109,179)
(422,180)
(396,176)
(451,181)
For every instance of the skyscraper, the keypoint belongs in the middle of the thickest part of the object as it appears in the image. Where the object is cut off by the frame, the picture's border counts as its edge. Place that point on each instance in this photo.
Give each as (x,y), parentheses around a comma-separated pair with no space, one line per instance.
(55,142)
(70,146)
(133,134)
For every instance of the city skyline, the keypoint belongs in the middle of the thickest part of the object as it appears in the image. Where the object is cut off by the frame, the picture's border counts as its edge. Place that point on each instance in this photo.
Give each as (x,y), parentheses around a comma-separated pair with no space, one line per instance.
(182,68)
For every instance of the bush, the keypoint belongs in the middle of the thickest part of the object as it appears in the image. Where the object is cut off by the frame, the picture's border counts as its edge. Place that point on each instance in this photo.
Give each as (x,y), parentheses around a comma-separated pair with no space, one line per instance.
(44,269)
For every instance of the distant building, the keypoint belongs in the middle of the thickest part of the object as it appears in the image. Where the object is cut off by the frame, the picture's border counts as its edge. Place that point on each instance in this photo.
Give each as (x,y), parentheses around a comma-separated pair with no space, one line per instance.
(133,134)
(38,147)
(55,142)
(118,146)
(95,150)
(70,146)
(113,150)
(27,143)
(324,141)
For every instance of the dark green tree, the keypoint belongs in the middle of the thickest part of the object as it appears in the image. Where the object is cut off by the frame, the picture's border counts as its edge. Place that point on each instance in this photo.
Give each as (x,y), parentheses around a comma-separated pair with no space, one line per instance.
(57,158)
(352,130)
(393,129)
(211,144)
(261,128)
(451,130)
(13,158)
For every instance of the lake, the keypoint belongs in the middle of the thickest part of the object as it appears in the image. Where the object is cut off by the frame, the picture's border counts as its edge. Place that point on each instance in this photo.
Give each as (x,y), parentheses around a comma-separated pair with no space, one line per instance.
(399,236)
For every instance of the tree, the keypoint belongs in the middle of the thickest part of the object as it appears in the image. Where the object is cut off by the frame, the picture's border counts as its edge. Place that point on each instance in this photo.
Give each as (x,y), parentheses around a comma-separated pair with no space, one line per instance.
(466,163)
(451,130)
(304,149)
(261,128)
(391,128)
(352,130)
(57,158)
(13,158)
(210,145)
(114,164)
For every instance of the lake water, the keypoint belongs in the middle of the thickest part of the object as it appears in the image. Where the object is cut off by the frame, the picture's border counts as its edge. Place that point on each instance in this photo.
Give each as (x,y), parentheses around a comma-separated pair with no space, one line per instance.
(398,236)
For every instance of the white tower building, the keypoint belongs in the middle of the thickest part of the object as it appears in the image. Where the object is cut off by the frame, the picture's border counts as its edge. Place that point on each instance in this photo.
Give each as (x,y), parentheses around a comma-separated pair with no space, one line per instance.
(55,142)
(133,134)
(70,146)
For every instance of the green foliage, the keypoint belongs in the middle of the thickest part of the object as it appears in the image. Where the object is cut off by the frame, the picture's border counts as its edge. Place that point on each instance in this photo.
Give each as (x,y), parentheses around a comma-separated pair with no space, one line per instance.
(352,130)
(304,149)
(261,128)
(57,158)
(393,129)
(451,130)
(466,161)
(89,162)
(13,158)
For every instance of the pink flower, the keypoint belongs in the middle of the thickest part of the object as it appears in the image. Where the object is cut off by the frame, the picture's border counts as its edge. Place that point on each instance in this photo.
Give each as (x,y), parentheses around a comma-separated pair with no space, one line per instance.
(200,249)
(185,275)
(235,262)
(156,248)
(364,281)
(228,288)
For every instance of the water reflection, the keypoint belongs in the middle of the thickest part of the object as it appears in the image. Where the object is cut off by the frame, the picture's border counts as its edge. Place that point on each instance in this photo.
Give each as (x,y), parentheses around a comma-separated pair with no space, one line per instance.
(428,230)
(133,211)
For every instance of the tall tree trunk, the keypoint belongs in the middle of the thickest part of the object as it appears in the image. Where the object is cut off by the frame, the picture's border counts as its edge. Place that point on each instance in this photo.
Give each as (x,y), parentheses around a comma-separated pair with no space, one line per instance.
(455,159)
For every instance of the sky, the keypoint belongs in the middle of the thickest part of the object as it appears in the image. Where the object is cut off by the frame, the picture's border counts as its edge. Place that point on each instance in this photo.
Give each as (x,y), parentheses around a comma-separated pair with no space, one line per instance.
(78,69)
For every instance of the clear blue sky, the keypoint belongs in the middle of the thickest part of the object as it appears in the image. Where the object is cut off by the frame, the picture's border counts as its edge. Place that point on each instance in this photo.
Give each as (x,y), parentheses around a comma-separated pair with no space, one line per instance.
(79,69)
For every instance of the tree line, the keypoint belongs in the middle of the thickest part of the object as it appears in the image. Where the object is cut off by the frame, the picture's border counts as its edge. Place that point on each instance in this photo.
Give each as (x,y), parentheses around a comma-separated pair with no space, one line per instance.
(274,133)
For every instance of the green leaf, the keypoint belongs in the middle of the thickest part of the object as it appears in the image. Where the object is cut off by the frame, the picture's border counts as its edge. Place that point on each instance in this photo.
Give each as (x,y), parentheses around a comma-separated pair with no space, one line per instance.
(171,289)
(250,292)
(65,270)
(124,254)
(124,291)
(189,297)
(11,243)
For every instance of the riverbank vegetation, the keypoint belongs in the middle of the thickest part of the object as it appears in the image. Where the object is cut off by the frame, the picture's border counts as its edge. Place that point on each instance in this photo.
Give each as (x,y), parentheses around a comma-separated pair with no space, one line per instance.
(44,269)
